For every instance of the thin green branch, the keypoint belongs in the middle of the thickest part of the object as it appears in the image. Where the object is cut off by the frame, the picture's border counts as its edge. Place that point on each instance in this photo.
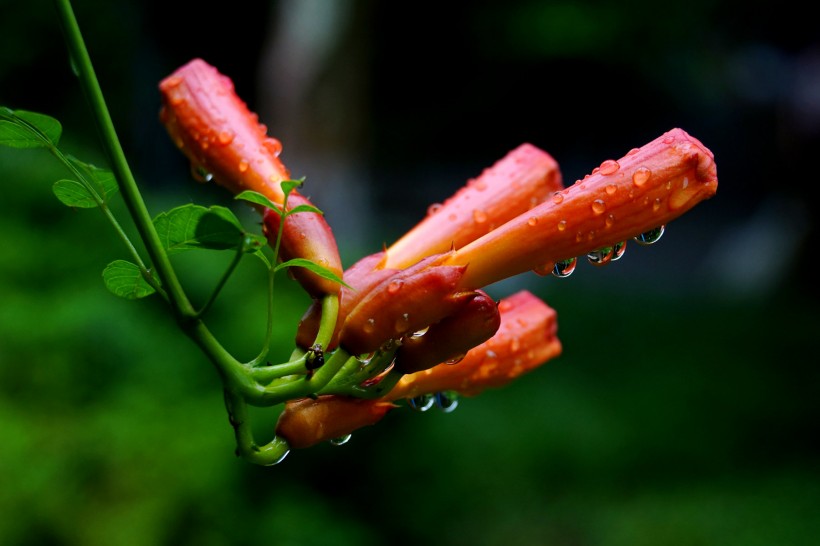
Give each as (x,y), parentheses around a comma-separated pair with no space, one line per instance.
(128,186)
(222,281)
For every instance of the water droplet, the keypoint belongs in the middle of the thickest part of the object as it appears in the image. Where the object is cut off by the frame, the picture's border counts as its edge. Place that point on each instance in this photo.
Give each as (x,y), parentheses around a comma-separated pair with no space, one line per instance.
(656,204)
(533,221)
(598,206)
(201,174)
(394,287)
(669,139)
(602,256)
(369,326)
(341,440)
(479,216)
(610,166)
(422,402)
(401,323)
(455,360)
(225,137)
(557,198)
(651,236)
(618,250)
(243,165)
(272,145)
(446,401)
(640,176)
(277,461)
(562,225)
(434,208)
(633,151)
(610,219)
(564,268)
(611,189)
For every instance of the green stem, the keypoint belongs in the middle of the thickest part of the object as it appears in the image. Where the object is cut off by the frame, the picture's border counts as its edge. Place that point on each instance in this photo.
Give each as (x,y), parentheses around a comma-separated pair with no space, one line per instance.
(246,447)
(128,186)
(231,268)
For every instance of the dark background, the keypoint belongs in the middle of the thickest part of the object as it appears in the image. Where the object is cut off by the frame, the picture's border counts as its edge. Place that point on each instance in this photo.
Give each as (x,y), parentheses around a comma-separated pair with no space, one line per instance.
(684,407)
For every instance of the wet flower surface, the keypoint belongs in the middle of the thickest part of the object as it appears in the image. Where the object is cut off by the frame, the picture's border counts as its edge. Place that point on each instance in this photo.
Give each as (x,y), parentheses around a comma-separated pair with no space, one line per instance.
(412,322)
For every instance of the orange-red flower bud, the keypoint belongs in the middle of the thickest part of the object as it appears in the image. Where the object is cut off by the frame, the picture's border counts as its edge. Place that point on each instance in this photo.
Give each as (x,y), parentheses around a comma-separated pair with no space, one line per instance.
(218,133)
(306,235)
(525,340)
(307,422)
(220,136)
(522,179)
(647,188)
(450,338)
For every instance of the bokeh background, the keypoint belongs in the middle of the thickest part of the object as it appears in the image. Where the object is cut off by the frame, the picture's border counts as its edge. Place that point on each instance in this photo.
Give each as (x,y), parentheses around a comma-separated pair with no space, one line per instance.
(684,409)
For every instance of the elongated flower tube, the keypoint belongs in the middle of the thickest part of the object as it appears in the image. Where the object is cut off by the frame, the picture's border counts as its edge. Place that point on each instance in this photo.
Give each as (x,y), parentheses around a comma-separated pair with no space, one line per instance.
(519,181)
(525,339)
(224,141)
(646,189)
(307,421)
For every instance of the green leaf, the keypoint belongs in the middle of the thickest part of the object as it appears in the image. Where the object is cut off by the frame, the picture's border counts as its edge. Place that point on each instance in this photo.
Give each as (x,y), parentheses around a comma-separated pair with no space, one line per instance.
(103,180)
(124,279)
(257,198)
(22,129)
(192,226)
(74,194)
(313,266)
(290,185)
(96,184)
(303,208)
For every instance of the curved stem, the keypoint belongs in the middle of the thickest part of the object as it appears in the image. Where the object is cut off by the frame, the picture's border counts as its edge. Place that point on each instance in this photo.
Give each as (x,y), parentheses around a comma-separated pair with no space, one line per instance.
(269,454)
(128,186)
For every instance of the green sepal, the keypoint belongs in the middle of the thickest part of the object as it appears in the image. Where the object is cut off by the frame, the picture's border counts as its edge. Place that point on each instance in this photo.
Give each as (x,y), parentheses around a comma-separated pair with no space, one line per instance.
(124,279)
(314,267)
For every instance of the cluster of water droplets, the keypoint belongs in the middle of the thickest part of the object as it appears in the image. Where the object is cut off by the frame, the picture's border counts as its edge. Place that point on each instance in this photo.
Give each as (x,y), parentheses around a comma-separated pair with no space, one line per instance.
(446,401)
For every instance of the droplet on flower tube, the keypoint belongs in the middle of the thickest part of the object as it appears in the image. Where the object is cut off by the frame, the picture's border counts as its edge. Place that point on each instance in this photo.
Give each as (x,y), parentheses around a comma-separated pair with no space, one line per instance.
(564,268)
(651,236)
(602,256)
(200,174)
(341,440)
(422,402)
(446,401)
(618,250)
(640,176)
(610,166)
(598,206)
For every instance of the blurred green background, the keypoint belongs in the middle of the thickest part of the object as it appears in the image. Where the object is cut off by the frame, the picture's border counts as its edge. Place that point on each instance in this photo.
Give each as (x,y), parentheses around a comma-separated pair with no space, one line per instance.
(684,409)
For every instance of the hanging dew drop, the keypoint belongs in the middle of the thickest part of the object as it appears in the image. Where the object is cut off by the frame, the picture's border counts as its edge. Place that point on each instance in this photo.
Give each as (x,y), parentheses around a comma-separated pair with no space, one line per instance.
(422,402)
(618,250)
(651,236)
(201,174)
(602,256)
(455,359)
(277,461)
(564,268)
(446,401)
(341,440)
